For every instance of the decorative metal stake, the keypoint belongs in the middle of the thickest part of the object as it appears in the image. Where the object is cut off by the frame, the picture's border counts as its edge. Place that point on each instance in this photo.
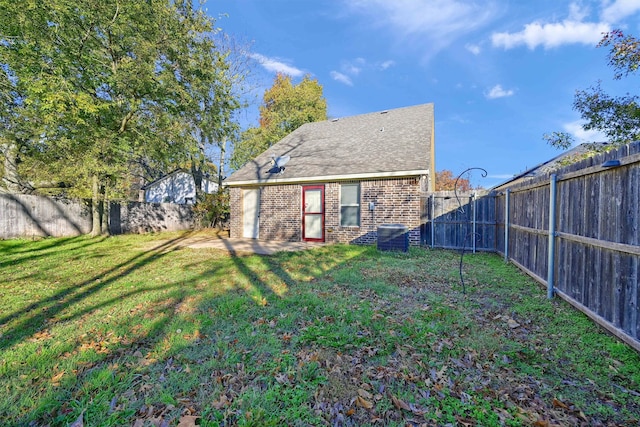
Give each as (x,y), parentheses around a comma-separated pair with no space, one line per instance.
(461,210)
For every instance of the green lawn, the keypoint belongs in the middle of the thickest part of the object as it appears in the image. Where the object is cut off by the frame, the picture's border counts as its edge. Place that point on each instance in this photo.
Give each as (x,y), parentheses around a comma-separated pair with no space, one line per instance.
(109,331)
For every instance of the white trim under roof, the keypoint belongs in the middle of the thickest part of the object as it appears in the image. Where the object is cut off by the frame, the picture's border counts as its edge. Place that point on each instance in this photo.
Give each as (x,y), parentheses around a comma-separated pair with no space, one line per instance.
(328,178)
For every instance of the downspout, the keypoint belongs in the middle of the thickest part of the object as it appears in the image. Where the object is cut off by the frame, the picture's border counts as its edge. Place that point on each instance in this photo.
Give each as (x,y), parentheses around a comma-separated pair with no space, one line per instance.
(506,225)
(433,218)
(552,236)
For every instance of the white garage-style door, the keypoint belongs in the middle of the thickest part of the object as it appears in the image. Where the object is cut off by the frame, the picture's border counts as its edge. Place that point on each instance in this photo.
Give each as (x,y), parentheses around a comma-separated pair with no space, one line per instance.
(251,213)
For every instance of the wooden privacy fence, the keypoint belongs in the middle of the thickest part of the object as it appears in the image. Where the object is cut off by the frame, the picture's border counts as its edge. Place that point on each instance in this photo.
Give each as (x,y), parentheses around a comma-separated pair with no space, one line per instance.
(577,232)
(451,222)
(23,215)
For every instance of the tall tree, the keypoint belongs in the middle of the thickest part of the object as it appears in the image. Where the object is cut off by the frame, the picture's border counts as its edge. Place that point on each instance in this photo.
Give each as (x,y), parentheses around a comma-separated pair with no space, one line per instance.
(285,107)
(104,83)
(618,117)
(445,181)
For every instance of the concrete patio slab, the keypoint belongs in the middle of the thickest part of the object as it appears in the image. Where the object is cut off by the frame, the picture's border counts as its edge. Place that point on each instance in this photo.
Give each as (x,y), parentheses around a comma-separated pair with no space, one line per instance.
(260,247)
(233,246)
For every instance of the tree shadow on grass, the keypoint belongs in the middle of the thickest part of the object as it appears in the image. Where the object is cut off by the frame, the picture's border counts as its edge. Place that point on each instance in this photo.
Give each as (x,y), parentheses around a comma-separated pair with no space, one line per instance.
(81,393)
(32,317)
(141,359)
(19,253)
(262,288)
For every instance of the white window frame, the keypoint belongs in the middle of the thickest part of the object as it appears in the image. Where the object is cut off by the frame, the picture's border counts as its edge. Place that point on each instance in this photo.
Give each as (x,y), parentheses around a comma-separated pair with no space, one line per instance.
(358,205)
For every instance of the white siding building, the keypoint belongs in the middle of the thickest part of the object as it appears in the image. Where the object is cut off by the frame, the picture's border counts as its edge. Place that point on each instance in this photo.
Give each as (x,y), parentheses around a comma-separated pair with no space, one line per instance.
(177,187)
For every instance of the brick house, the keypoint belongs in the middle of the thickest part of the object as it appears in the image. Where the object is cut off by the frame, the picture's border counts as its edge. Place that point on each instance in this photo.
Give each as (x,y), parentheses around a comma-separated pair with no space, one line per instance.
(343,178)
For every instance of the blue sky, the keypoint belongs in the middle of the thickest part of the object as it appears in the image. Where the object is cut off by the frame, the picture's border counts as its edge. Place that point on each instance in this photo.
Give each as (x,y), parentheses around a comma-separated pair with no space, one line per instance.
(500,73)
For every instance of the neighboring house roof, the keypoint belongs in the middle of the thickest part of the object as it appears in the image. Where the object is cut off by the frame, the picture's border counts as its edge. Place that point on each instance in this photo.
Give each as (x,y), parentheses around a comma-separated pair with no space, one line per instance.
(396,142)
(550,166)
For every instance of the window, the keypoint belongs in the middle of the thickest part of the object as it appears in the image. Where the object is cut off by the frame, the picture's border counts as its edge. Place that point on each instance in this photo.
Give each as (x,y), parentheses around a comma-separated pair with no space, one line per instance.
(350,205)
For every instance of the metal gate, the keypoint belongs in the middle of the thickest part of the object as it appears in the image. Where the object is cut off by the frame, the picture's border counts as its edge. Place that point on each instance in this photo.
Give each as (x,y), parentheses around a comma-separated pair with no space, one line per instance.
(467,221)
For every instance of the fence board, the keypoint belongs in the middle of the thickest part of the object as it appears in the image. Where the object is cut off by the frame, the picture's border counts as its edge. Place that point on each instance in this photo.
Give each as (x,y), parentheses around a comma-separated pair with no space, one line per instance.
(597,237)
(23,215)
(449,223)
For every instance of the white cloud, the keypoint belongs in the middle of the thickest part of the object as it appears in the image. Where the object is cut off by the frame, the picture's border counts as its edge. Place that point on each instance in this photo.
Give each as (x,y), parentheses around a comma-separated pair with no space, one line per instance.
(387,64)
(572,30)
(577,12)
(473,48)
(351,69)
(498,92)
(354,67)
(619,10)
(275,65)
(577,131)
(552,35)
(430,24)
(342,78)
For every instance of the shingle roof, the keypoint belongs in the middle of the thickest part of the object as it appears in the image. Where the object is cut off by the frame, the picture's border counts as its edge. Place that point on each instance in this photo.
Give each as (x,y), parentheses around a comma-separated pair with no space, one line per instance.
(388,143)
(550,166)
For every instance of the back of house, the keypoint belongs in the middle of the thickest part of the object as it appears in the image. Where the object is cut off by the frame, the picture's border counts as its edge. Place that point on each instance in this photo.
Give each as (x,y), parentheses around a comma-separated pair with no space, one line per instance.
(342,179)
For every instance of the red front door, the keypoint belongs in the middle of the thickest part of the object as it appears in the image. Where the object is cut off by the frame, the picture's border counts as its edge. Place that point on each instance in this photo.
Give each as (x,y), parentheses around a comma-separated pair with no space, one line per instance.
(313,213)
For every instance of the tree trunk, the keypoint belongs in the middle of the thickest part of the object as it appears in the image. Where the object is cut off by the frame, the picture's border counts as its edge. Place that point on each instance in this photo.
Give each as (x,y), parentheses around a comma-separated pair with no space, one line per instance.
(96,207)
(223,151)
(105,211)
(11,179)
(196,167)
(196,172)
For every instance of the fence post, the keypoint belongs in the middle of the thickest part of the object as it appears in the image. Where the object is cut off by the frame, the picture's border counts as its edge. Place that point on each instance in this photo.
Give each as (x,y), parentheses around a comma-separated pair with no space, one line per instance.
(473,199)
(506,225)
(433,217)
(552,236)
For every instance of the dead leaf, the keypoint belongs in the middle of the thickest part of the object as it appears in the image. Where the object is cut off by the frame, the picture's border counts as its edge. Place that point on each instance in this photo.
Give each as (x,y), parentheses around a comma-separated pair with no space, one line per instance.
(363,403)
(400,404)
(222,402)
(365,394)
(512,324)
(282,378)
(187,421)
(559,404)
(350,412)
(55,381)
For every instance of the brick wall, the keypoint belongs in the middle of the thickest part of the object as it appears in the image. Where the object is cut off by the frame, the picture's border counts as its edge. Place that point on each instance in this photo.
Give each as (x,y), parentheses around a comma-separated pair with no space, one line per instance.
(280,213)
(396,201)
(235,212)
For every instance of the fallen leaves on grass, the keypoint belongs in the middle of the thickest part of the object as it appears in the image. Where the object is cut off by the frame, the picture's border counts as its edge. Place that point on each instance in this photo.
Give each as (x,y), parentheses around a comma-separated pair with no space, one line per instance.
(188,421)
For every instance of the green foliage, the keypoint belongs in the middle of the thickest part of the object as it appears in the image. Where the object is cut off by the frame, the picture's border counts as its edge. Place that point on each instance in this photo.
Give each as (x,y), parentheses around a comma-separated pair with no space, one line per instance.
(285,108)
(624,56)
(212,209)
(560,140)
(98,90)
(618,117)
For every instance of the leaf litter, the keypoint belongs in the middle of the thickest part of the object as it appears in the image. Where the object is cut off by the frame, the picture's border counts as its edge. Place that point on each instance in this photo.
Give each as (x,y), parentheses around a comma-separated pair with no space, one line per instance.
(413,358)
